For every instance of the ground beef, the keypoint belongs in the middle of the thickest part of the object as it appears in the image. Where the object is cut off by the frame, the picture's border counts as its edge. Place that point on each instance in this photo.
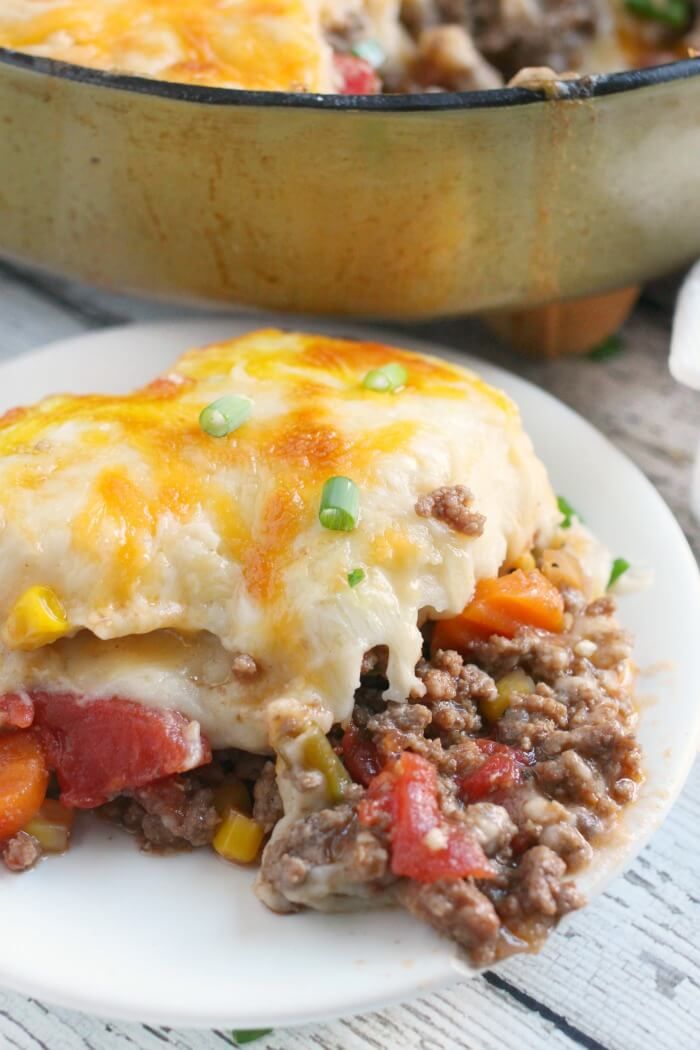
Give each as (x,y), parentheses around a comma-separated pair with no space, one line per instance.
(480,44)
(452,504)
(568,842)
(267,807)
(512,34)
(453,690)
(457,909)
(375,661)
(571,779)
(544,656)
(402,727)
(21,852)
(578,763)
(539,888)
(175,813)
(490,825)
(318,860)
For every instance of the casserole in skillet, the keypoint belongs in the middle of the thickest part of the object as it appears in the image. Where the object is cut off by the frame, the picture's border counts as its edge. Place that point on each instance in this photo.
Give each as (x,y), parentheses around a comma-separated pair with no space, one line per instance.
(389,205)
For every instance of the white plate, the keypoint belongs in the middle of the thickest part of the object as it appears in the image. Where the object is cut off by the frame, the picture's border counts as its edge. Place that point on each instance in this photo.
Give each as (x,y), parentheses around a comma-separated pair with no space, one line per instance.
(182,940)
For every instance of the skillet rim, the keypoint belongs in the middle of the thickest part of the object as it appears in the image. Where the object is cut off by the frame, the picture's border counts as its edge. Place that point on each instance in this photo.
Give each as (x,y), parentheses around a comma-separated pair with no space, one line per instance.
(585,88)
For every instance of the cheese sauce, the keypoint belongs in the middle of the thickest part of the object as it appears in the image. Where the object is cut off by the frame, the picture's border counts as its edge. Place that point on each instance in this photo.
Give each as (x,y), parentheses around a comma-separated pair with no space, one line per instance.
(172,551)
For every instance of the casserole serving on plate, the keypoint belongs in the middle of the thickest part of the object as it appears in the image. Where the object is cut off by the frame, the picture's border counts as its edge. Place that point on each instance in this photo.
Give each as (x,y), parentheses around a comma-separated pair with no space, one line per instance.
(320,591)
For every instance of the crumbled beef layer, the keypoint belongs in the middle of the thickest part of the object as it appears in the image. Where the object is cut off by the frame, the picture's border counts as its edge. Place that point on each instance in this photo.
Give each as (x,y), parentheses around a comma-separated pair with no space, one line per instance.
(267,804)
(470,45)
(175,813)
(577,765)
(531,785)
(466,45)
(531,32)
(323,861)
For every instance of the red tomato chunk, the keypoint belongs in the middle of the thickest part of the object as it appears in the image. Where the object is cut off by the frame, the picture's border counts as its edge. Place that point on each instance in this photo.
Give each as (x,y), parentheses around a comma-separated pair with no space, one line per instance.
(404,795)
(99,748)
(360,755)
(355,75)
(503,768)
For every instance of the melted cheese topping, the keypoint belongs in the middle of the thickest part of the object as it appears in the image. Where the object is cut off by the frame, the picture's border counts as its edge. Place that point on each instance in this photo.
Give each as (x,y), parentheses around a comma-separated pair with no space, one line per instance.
(171,551)
(253,44)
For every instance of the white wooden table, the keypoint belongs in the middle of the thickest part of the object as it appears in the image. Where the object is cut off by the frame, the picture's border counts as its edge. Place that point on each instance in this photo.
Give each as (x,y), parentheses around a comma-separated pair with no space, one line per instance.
(625,974)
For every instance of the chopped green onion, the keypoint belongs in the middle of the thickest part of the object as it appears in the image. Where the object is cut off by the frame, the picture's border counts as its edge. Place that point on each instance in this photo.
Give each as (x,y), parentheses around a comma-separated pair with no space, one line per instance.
(387,379)
(241,1036)
(619,568)
(224,416)
(674,13)
(610,347)
(355,577)
(370,51)
(567,512)
(340,505)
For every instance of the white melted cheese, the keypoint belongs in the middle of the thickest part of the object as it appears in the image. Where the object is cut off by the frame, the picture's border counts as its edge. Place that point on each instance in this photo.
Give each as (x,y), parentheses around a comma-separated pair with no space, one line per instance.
(172,551)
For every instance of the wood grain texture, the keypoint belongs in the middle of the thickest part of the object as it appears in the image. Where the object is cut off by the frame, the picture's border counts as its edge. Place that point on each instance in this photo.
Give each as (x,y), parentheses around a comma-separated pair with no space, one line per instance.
(623,974)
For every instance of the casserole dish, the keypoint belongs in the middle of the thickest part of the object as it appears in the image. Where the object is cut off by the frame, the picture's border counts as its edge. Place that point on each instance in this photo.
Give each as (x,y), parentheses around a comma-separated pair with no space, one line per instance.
(403,206)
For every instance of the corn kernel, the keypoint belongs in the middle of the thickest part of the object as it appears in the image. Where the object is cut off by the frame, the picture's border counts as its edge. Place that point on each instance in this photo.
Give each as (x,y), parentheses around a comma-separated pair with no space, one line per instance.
(515,682)
(238,838)
(232,794)
(51,826)
(38,618)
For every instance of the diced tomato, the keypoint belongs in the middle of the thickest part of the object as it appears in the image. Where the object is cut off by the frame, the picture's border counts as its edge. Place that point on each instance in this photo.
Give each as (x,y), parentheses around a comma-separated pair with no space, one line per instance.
(502,605)
(406,794)
(360,755)
(520,842)
(494,747)
(23,780)
(355,76)
(16,712)
(98,748)
(503,768)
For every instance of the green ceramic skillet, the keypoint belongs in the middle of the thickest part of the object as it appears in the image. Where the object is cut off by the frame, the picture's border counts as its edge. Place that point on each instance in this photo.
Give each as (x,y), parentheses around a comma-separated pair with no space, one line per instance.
(395,206)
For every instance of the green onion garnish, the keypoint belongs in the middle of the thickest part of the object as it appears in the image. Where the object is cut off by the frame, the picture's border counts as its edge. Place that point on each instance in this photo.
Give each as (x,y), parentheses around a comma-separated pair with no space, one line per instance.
(370,51)
(355,577)
(224,416)
(387,379)
(619,568)
(241,1036)
(610,347)
(340,505)
(674,13)
(567,512)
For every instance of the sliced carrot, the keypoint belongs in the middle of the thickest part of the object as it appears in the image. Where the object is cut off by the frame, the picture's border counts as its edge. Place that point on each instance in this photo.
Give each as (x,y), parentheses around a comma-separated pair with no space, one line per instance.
(23,781)
(502,605)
